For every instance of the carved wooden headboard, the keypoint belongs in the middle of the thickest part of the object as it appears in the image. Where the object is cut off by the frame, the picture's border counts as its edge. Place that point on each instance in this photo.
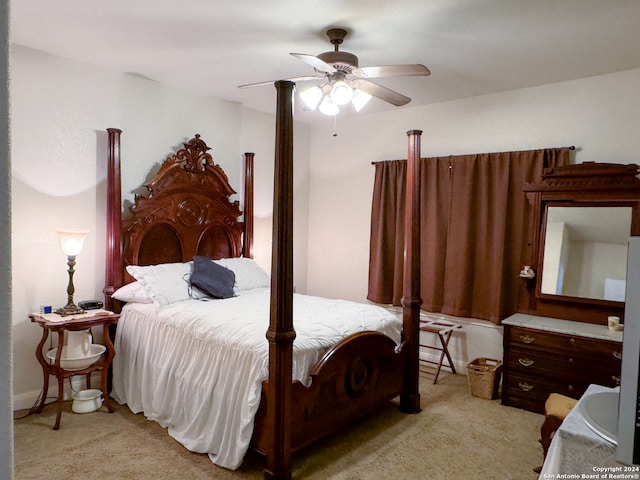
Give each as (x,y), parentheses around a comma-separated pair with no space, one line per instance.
(186,213)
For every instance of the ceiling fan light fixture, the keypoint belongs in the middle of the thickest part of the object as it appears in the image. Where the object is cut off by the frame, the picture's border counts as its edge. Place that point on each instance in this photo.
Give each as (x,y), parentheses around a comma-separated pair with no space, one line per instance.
(343,77)
(341,92)
(329,107)
(360,99)
(312,97)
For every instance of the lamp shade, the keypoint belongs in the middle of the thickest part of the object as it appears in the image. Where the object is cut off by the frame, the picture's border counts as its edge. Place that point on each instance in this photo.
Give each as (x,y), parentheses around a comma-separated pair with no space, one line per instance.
(360,99)
(328,107)
(341,93)
(71,240)
(311,97)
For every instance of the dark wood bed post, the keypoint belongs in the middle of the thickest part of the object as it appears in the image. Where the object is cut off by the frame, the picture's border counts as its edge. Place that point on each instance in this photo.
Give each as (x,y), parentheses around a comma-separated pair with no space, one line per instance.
(247,242)
(411,301)
(281,333)
(114,272)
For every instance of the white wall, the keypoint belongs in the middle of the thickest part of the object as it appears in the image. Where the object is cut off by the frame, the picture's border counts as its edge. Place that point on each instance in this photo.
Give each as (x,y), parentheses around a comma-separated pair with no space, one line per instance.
(598,115)
(596,262)
(555,248)
(60,110)
(261,126)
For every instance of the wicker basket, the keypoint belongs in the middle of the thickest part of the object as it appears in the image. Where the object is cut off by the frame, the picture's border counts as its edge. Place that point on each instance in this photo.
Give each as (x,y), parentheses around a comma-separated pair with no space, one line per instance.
(484,377)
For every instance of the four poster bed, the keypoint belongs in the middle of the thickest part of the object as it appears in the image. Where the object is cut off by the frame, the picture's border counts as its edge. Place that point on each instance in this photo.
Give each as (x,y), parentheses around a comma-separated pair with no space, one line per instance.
(216,382)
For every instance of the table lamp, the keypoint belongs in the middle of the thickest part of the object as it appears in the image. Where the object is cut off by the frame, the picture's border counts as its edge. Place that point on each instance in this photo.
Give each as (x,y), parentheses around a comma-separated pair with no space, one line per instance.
(71,241)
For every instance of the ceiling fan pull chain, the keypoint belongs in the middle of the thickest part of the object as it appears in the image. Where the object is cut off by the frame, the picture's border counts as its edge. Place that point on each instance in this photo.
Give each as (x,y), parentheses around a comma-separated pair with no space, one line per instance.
(335,125)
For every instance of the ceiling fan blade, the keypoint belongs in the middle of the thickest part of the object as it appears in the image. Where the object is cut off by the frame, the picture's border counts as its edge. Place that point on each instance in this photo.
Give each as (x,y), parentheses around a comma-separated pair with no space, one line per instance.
(315,62)
(271,82)
(383,93)
(391,71)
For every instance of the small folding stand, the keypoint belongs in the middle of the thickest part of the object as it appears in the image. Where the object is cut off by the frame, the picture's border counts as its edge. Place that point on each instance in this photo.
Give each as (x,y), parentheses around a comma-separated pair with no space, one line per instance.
(443,331)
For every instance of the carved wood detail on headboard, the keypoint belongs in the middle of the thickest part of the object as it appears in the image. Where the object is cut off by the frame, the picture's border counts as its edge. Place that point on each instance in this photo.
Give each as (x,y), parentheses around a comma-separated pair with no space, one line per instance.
(187,212)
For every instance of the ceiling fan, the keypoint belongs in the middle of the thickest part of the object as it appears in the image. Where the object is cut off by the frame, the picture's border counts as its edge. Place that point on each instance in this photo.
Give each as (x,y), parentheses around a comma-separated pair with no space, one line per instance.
(344,81)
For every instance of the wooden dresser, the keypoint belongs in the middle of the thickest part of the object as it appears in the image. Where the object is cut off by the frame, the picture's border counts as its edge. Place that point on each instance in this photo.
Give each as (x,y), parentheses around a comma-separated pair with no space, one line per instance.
(544,355)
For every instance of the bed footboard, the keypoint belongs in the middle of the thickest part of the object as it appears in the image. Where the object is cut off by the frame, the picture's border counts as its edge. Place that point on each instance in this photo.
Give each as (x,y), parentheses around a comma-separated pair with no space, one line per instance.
(356,376)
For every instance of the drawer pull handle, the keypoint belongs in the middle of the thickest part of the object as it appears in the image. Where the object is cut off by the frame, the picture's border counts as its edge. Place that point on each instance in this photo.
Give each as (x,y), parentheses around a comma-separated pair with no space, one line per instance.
(572,341)
(524,386)
(527,339)
(526,362)
(618,355)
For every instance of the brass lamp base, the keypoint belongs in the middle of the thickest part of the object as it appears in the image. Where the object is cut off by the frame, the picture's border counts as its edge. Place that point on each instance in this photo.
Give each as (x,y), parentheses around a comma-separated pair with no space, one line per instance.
(69,310)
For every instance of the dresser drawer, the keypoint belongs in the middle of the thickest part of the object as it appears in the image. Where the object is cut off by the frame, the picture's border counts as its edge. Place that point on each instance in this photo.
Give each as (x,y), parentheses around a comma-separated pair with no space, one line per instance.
(561,343)
(593,369)
(534,390)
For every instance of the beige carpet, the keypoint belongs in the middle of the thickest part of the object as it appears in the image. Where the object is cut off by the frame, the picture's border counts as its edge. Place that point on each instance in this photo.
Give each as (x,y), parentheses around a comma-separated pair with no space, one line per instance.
(456,436)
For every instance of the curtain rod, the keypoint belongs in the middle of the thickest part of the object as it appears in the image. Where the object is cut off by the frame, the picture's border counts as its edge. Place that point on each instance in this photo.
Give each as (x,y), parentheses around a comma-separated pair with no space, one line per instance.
(572,147)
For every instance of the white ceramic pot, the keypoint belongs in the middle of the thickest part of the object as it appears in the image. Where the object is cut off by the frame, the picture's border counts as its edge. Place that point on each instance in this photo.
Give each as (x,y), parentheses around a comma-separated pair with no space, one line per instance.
(86,401)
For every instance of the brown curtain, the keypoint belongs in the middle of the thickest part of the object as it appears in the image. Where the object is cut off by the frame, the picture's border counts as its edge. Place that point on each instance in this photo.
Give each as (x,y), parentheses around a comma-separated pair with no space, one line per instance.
(474,221)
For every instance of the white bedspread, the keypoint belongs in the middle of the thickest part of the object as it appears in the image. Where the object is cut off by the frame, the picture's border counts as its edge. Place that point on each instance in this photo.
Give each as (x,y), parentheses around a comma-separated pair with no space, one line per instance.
(196,367)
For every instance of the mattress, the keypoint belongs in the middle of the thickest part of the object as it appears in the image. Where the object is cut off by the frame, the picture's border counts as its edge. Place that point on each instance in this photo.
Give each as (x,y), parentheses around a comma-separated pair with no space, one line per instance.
(196,367)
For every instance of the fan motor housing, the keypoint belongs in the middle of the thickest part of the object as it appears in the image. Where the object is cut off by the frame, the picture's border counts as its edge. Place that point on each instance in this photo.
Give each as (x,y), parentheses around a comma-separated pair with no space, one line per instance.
(343,61)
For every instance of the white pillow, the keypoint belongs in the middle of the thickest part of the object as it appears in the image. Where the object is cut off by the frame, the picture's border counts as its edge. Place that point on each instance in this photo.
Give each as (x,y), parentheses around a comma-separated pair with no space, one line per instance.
(248,273)
(132,292)
(165,283)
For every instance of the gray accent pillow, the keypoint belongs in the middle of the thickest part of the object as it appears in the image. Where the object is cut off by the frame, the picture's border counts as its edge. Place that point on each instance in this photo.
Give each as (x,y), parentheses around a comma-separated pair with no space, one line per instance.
(213,279)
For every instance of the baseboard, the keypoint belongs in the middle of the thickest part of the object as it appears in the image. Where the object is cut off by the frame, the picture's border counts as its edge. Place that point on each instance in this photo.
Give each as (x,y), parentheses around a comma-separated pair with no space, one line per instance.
(460,366)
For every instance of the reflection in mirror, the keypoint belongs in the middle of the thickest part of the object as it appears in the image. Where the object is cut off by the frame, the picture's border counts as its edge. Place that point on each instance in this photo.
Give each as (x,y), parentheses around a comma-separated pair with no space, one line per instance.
(585,252)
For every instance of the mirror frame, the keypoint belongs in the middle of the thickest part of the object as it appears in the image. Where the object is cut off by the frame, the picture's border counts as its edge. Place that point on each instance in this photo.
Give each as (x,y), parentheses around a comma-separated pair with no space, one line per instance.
(585,184)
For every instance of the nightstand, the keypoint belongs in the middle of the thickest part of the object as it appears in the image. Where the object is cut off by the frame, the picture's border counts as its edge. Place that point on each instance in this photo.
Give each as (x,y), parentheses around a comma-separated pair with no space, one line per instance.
(55,323)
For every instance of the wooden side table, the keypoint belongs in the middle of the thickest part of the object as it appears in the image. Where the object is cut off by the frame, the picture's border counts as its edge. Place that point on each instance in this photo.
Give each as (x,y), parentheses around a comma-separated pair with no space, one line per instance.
(55,323)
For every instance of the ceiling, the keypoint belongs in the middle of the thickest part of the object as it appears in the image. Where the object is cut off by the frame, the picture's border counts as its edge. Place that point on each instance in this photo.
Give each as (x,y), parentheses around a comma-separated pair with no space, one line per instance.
(210,47)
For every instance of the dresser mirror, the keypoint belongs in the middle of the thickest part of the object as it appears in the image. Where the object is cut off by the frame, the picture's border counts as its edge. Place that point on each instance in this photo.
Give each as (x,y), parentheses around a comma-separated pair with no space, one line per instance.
(585,252)
(583,215)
